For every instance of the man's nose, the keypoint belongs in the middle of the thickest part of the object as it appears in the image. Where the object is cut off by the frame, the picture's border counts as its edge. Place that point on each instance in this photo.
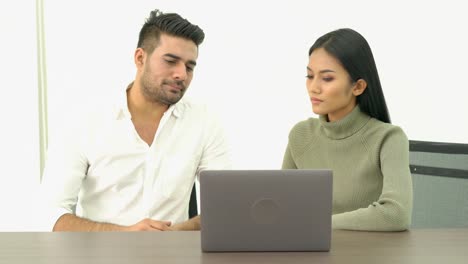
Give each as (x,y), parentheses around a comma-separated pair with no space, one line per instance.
(180,72)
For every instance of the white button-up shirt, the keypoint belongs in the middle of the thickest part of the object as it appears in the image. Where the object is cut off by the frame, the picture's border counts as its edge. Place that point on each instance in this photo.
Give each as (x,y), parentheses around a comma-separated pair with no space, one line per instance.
(105,170)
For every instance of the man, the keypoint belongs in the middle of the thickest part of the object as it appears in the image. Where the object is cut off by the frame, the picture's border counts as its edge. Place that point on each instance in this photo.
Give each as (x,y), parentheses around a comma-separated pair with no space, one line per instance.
(133,168)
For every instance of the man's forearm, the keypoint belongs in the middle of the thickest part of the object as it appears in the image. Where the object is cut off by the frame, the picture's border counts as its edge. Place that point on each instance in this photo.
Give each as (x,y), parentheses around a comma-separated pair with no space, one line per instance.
(69,222)
(191,224)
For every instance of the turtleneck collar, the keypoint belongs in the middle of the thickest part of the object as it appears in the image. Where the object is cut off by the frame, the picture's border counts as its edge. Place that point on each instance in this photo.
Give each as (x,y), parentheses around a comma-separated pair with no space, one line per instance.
(346,126)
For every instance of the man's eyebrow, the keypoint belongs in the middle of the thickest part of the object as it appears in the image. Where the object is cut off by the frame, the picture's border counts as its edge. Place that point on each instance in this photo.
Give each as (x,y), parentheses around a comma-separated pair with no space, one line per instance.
(192,62)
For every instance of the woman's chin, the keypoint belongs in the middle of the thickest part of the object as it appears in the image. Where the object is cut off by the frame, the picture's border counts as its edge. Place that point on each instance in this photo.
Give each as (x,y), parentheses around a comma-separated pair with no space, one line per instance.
(318,111)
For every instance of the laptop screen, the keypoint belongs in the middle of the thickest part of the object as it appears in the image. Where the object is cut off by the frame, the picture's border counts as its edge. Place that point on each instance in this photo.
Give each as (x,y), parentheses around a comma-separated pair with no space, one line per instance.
(266,210)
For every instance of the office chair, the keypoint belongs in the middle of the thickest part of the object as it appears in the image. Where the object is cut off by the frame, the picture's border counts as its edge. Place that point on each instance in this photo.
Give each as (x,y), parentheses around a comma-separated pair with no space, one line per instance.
(193,210)
(440,184)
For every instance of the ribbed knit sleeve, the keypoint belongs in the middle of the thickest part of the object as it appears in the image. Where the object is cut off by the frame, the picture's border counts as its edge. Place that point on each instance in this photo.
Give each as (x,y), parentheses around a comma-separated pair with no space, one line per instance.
(288,161)
(392,211)
(295,142)
(372,187)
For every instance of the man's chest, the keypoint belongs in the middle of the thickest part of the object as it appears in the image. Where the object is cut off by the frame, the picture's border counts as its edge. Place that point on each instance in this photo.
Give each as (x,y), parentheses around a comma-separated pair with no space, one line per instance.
(146,131)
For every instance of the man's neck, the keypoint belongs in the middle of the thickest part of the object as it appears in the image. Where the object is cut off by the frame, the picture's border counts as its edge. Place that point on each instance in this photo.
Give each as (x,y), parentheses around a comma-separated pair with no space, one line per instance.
(141,109)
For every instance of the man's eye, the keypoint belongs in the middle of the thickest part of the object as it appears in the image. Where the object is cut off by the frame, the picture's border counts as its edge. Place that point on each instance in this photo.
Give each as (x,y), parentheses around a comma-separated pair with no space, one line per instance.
(189,69)
(170,61)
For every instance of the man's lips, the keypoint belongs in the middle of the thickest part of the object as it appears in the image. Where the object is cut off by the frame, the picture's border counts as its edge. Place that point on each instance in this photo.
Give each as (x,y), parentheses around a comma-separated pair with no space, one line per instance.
(175,87)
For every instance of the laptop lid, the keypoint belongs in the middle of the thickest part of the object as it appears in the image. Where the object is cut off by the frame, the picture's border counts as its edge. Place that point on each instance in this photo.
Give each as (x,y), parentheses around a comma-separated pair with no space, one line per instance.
(266,210)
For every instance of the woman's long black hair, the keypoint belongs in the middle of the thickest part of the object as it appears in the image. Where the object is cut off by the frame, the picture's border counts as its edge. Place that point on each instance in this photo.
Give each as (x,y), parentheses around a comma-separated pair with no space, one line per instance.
(352,50)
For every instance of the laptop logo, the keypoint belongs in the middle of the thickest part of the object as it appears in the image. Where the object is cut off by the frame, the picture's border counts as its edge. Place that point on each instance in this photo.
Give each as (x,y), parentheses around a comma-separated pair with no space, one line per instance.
(265,211)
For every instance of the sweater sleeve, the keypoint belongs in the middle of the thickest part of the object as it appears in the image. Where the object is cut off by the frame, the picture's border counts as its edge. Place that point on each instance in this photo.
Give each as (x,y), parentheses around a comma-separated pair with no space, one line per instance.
(392,211)
(288,158)
(288,161)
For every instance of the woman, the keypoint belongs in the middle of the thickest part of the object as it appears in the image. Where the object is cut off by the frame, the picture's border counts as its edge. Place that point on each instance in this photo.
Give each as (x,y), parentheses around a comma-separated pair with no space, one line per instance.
(372,188)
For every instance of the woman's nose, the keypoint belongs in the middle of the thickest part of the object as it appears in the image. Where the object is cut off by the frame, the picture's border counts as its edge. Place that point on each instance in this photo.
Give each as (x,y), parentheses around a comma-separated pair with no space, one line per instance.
(313,87)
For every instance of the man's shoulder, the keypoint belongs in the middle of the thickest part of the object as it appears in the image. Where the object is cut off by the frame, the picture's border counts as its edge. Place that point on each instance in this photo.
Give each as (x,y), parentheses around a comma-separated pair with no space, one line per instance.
(194,108)
(190,103)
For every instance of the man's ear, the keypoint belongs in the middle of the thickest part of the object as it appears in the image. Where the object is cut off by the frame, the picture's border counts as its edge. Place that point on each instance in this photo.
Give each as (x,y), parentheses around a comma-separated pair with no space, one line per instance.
(359,87)
(139,57)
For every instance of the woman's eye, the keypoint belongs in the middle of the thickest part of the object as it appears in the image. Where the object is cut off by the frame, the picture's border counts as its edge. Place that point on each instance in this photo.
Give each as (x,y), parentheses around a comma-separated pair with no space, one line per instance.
(309,77)
(328,79)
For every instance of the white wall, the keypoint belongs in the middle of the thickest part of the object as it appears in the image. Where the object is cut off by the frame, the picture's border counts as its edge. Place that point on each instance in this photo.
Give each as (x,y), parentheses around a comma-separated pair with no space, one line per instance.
(252,64)
(19,133)
(251,68)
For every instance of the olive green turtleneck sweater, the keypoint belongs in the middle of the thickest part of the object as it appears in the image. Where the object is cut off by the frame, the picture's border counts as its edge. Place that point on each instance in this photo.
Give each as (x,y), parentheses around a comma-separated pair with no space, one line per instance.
(372,188)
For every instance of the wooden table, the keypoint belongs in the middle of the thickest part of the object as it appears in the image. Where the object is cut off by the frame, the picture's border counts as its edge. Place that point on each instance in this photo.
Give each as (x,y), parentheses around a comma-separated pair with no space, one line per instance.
(446,246)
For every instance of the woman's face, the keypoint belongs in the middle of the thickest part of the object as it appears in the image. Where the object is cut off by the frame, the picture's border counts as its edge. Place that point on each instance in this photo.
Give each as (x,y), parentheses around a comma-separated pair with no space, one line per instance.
(329,85)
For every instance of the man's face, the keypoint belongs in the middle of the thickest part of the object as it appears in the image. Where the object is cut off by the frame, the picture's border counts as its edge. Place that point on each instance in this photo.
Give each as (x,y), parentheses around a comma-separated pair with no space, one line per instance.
(167,72)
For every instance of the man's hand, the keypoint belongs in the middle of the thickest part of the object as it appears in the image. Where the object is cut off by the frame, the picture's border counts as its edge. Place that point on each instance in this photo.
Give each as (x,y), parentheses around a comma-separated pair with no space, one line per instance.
(191,224)
(70,222)
(149,225)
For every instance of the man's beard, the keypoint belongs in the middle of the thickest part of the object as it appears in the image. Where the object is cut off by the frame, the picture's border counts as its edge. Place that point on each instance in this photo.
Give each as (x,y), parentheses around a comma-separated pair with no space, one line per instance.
(156,93)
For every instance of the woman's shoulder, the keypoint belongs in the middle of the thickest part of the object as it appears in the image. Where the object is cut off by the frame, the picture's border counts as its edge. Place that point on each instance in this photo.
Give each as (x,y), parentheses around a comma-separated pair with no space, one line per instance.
(384,130)
(303,129)
(302,134)
(305,126)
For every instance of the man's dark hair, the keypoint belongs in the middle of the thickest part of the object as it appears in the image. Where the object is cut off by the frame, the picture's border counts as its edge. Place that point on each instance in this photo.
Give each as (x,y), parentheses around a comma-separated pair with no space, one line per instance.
(171,24)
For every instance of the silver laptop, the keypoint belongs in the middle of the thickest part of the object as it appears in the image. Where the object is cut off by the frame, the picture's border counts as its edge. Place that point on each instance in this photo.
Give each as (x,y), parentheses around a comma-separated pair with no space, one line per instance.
(266,210)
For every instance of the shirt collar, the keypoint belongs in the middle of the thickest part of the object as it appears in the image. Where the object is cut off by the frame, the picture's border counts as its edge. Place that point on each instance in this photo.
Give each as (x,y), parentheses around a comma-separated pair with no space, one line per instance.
(121,107)
(346,126)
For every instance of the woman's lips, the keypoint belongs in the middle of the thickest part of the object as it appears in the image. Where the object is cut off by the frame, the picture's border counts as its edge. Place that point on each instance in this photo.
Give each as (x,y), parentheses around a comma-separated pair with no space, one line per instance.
(315,100)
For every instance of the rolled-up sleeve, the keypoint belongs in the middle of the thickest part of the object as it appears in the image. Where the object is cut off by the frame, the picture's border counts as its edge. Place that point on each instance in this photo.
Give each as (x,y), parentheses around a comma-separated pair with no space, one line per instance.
(63,174)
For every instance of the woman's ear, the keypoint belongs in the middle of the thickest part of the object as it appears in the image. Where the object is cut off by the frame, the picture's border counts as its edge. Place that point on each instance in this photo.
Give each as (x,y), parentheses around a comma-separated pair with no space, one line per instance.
(359,87)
